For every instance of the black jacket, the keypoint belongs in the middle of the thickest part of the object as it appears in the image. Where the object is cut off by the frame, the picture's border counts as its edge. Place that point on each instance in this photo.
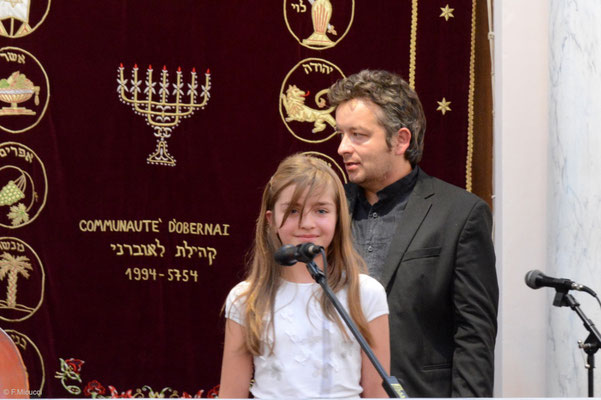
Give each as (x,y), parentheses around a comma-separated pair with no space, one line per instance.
(442,291)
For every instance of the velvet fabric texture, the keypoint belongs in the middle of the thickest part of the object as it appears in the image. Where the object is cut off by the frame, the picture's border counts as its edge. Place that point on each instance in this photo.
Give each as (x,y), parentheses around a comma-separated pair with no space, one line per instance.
(138,219)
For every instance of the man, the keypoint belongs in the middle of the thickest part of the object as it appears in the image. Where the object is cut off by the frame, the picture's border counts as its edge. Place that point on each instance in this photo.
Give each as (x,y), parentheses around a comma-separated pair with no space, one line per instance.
(428,242)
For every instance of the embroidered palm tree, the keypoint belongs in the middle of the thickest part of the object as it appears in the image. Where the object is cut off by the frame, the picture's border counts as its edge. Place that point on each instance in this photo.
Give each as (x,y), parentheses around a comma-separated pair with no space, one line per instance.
(11,267)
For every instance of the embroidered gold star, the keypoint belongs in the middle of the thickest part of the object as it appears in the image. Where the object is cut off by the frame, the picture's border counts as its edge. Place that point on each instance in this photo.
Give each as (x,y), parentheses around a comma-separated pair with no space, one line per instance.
(443,106)
(447,12)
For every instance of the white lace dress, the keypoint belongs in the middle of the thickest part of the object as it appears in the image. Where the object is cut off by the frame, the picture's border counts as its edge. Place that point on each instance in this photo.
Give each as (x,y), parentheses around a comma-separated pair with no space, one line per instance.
(311,358)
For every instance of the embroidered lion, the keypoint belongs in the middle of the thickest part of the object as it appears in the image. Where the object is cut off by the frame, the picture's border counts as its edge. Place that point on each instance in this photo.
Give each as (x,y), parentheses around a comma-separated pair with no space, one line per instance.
(294,103)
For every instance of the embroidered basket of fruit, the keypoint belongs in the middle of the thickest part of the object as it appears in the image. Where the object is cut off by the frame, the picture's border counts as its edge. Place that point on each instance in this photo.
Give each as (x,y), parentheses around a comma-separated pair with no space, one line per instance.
(17,89)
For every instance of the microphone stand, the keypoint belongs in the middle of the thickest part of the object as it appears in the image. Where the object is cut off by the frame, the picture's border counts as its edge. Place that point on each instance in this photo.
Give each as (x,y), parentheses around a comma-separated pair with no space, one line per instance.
(391,384)
(592,342)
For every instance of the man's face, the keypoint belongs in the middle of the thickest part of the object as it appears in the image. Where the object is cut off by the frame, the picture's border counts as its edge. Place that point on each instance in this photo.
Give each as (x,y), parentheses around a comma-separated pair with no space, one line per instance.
(367,159)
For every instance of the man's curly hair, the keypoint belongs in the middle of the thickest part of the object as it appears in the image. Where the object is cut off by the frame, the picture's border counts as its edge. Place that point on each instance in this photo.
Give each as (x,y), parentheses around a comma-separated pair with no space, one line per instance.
(398,102)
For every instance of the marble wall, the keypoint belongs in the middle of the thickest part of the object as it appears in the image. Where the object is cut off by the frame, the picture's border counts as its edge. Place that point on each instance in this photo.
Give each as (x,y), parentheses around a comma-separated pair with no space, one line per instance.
(574,182)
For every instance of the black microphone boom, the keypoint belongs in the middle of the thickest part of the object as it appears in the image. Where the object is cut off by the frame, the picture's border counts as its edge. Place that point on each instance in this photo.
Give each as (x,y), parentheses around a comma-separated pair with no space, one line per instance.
(536,280)
(289,254)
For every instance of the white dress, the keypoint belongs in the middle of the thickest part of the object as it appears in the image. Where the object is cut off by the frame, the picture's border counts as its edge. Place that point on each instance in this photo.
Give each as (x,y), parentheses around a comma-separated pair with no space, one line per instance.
(311,357)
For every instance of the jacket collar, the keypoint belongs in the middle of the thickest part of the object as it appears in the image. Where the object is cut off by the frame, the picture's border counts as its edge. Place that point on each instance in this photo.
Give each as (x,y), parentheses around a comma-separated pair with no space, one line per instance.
(418,206)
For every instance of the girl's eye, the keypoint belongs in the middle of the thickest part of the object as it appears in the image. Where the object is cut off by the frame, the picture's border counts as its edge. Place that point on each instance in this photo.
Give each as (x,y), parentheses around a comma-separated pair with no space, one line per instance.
(294,211)
(322,211)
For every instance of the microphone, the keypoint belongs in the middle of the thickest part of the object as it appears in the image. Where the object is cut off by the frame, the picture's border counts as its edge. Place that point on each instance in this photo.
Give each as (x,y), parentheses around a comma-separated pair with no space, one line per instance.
(536,280)
(289,254)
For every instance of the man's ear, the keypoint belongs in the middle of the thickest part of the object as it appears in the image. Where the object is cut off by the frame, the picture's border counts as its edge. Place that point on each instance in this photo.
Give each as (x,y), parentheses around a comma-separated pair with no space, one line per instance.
(402,141)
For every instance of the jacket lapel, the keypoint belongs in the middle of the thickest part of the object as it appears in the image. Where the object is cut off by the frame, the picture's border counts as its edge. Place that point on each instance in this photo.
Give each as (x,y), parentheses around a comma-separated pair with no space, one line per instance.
(418,206)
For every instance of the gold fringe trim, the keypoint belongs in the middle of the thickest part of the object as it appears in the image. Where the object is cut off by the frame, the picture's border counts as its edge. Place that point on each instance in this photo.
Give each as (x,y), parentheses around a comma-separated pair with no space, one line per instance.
(413,44)
(470,105)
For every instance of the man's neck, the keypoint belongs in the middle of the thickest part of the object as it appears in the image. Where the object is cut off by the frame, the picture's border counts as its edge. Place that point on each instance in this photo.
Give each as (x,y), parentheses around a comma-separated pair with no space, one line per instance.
(372,197)
(371,193)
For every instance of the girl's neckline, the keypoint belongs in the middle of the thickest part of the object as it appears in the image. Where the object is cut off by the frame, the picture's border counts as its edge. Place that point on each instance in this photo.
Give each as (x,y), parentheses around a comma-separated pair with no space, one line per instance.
(285,281)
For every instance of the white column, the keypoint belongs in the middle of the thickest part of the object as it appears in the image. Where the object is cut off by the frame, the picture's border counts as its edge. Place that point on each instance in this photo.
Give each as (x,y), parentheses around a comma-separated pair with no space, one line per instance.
(574,186)
(520,186)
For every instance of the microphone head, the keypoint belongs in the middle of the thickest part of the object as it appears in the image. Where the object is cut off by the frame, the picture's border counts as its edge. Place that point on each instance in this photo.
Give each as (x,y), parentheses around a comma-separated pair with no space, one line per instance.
(309,249)
(532,278)
(286,255)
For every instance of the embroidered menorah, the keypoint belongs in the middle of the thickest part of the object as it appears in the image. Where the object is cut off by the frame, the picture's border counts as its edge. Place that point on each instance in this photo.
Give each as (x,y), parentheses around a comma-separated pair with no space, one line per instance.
(163,112)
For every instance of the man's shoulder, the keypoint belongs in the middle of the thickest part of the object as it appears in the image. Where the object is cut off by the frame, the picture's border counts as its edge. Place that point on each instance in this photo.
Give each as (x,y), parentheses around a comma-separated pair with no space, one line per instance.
(445,191)
(428,186)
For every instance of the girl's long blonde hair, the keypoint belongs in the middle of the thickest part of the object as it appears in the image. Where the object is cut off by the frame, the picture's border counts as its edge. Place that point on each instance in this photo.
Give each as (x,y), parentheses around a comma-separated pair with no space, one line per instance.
(311,175)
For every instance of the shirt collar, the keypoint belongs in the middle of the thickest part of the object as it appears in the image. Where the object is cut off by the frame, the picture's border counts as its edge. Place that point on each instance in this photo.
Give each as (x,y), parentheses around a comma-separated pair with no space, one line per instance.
(397,190)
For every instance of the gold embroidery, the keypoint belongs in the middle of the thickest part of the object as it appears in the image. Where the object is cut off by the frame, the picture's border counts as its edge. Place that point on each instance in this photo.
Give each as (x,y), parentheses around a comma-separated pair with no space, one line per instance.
(443,106)
(447,12)
(413,44)
(15,16)
(323,31)
(294,103)
(470,104)
(311,123)
(19,264)
(24,185)
(162,113)
(26,346)
(330,161)
(16,89)
(70,370)
(321,13)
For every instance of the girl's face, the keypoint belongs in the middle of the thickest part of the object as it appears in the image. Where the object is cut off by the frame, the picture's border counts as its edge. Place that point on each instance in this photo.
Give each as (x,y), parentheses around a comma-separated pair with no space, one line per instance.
(319,218)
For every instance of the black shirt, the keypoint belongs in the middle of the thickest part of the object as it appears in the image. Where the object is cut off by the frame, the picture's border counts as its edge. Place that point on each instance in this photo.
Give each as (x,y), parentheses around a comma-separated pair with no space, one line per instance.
(375,225)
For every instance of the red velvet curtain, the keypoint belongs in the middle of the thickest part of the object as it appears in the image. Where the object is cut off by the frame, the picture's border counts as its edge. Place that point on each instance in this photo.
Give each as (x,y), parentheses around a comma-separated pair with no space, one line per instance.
(136,137)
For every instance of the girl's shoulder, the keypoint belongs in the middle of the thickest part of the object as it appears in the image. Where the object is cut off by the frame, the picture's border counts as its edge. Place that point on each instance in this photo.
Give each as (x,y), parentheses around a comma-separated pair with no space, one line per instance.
(239,289)
(373,297)
(368,282)
(234,303)
(370,287)
(241,285)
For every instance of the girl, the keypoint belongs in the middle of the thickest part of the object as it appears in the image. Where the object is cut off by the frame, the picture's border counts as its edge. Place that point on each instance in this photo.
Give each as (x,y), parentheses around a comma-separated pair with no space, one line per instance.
(281,329)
